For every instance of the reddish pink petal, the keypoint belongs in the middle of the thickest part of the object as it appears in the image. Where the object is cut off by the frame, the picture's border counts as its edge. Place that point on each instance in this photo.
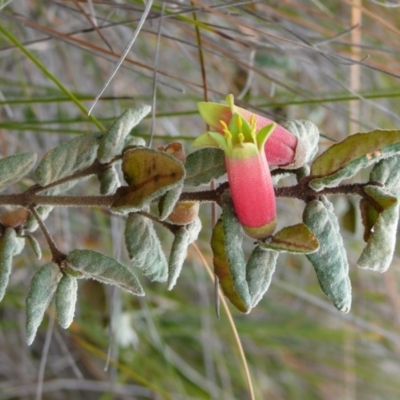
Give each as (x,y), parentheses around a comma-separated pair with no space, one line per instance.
(252,192)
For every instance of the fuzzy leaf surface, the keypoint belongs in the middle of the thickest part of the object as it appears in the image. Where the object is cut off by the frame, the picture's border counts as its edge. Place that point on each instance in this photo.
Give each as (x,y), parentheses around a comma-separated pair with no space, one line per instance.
(67,158)
(259,271)
(330,261)
(35,246)
(168,201)
(343,160)
(113,142)
(66,295)
(7,249)
(387,172)
(204,165)
(43,285)
(379,251)
(293,239)
(109,181)
(144,248)
(104,269)
(183,237)
(149,174)
(14,168)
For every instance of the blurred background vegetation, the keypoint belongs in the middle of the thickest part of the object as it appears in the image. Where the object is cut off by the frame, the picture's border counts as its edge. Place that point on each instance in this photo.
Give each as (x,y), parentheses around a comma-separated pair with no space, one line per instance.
(335,63)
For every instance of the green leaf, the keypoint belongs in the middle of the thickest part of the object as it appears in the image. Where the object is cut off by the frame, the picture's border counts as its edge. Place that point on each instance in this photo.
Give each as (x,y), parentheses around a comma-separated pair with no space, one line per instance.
(228,258)
(149,174)
(134,141)
(113,142)
(343,160)
(308,133)
(34,244)
(144,248)
(330,261)
(7,249)
(378,253)
(293,239)
(43,285)
(14,168)
(67,159)
(104,269)
(183,237)
(66,295)
(168,201)
(259,271)
(204,165)
(387,172)
(109,181)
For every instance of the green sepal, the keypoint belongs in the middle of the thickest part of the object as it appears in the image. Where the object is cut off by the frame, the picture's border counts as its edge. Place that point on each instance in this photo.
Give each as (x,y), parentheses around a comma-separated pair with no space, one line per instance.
(104,269)
(206,140)
(113,142)
(263,134)
(293,239)
(220,140)
(67,158)
(183,237)
(7,250)
(343,160)
(259,271)
(43,285)
(238,124)
(213,113)
(66,296)
(14,168)
(204,165)
(379,251)
(330,261)
(144,248)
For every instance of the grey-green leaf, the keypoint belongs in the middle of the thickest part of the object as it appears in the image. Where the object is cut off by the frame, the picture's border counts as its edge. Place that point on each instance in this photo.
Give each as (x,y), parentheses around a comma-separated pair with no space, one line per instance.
(387,172)
(183,237)
(378,253)
(168,201)
(330,261)
(104,269)
(113,142)
(109,181)
(259,271)
(14,168)
(35,246)
(66,295)
(44,284)
(7,248)
(144,248)
(233,239)
(68,158)
(204,165)
(308,133)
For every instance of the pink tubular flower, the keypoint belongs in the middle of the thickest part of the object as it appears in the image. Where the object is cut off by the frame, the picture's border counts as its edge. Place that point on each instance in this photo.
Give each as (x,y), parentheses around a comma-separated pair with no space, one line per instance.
(282,149)
(249,177)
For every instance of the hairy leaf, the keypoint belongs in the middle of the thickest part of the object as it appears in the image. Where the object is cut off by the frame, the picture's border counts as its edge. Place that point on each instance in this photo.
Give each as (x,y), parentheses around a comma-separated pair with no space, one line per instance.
(168,201)
(109,181)
(7,249)
(144,248)
(66,295)
(387,172)
(378,253)
(204,165)
(343,160)
(293,239)
(259,271)
(14,168)
(104,269)
(149,174)
(330,261)
(67,158)
(43,285)
(34,244)
(308,133)
(183,237)
(113,142)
